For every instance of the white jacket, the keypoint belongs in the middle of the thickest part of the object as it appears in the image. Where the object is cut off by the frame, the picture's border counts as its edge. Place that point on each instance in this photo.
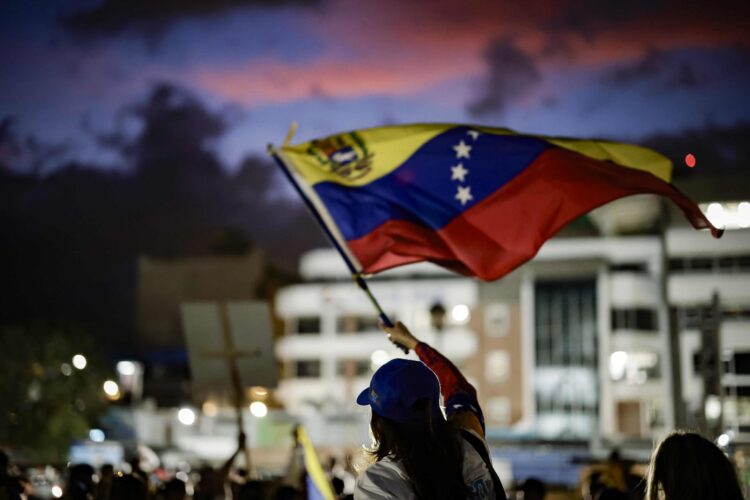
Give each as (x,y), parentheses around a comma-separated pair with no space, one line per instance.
(387,479)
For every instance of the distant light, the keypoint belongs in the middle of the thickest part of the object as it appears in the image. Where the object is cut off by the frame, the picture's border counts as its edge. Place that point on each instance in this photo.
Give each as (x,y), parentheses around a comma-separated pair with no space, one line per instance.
(618,362)
(460,313)
(186,416)
(259,392)
(111,389)
(56,491)
(79,361)
(723,440)
(713,407)
(258,409)
(690,160)
(210,409)
(66,369)
(379,358)
(96,435)
(743,214)
(126,368)
(715,214)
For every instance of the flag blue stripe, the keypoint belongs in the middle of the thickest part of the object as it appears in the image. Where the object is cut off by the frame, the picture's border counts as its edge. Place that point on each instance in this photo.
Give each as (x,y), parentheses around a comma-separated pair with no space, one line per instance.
(422,190)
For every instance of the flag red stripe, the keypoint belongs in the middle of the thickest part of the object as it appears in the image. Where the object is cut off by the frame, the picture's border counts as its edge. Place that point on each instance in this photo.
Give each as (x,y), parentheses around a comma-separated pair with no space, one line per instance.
(507,228)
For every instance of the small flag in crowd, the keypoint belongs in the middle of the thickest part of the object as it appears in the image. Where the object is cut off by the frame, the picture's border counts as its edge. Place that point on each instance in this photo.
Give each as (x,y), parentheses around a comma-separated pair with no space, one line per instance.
(317,485)
(480,201)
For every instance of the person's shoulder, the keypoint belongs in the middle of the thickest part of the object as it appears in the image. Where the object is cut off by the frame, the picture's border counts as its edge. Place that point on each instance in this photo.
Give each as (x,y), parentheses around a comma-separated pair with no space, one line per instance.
(383,479)
(383,469)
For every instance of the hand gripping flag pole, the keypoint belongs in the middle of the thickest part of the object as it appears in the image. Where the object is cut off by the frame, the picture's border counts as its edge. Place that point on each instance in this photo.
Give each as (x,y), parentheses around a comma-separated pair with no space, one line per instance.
(356,273)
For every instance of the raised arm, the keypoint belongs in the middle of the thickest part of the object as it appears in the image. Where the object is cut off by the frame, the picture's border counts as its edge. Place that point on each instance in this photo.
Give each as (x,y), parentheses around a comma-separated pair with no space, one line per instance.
(459,395)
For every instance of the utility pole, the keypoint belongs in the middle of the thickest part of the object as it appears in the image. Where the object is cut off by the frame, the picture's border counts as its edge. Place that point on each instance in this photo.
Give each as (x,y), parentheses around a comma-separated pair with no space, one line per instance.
(674,414)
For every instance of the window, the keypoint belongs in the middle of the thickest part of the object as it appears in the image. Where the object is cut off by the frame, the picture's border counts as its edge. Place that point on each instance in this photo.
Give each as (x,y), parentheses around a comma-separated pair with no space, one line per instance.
(497,319)
(497,366)
(566,373)
(353,367)
(724,264)
(308,325)
(631,267)
(308,368)
(634,367)
(739,363)
(499,410)
(358,324)
(635,319)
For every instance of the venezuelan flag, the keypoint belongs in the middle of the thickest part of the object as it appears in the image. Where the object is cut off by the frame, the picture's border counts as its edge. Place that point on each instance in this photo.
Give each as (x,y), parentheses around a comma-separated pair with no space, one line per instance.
(477,200)
(317,485)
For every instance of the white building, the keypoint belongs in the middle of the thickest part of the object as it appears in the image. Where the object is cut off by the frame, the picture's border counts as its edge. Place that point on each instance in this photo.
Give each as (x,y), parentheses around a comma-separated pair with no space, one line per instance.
(575,344)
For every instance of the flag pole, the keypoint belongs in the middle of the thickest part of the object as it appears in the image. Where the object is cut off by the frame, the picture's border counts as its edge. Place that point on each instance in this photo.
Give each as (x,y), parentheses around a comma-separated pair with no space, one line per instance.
(357,275)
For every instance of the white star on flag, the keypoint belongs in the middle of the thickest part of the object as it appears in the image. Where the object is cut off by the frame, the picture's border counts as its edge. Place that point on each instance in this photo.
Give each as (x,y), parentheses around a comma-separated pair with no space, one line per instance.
(459,172)
(464,194)
(462,150)
(474,134)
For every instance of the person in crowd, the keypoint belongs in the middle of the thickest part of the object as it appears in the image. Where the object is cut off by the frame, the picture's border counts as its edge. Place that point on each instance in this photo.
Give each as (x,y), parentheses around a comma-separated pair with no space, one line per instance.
(294,475)
(103,487)
(11,486)
(287,492)
(80,482)
(254,490)
(128,487)
(611,494)
(213,481)
(532,489)
(687,466)
(417,453)
(613,473)
(174,489)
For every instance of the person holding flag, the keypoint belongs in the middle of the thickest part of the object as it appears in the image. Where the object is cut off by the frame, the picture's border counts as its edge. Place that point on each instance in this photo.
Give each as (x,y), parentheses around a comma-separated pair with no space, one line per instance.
(418,453)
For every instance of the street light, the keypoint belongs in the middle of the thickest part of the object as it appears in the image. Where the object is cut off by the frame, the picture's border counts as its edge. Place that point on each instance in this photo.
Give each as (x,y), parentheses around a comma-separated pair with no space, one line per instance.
(379,358)
(79,361)
(126,368)
(111,389)
(186,416)
(258,409)
(96,435)
(460,313)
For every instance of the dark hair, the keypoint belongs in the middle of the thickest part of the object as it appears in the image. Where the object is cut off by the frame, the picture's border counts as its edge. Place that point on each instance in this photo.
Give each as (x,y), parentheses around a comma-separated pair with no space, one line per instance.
(431,452)
(611,494)
(533,488)
(688,466)
(128,487)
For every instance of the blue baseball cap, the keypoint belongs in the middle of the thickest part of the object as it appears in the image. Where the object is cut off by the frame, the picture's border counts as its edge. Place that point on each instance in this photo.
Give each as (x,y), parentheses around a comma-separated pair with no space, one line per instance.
(397,385)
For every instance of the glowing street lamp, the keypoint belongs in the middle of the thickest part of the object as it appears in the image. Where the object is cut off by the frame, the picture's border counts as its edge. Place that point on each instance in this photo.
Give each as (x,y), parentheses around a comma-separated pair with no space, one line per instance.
(111,389)
(258,409)
(186,416)
(79,361)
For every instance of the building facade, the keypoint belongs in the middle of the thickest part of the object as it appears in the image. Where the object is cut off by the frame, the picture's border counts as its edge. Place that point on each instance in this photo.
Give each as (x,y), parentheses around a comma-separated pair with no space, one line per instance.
(574,345)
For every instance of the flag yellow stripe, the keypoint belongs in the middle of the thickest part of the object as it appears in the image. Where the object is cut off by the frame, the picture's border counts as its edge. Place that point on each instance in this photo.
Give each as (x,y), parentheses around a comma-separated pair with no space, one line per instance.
(627,155)
(313,466)
(389,147)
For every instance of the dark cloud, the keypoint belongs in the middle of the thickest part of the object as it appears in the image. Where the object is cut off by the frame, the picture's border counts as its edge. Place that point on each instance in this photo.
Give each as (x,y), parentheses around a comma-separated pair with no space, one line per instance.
(510,72)
(721,153)
(152,17)
(28,154)
(656,65)
(10,149)
(71,238)
(589,17)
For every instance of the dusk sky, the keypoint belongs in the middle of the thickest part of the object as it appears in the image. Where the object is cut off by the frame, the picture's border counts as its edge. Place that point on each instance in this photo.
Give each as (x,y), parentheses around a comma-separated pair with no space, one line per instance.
(623,70)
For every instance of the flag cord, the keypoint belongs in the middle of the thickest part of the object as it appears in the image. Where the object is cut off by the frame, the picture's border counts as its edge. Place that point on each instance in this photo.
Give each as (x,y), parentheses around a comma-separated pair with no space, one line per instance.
(356,275)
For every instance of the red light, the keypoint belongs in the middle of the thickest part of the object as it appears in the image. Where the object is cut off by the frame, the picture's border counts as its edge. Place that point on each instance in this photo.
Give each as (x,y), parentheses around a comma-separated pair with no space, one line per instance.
(690,160)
